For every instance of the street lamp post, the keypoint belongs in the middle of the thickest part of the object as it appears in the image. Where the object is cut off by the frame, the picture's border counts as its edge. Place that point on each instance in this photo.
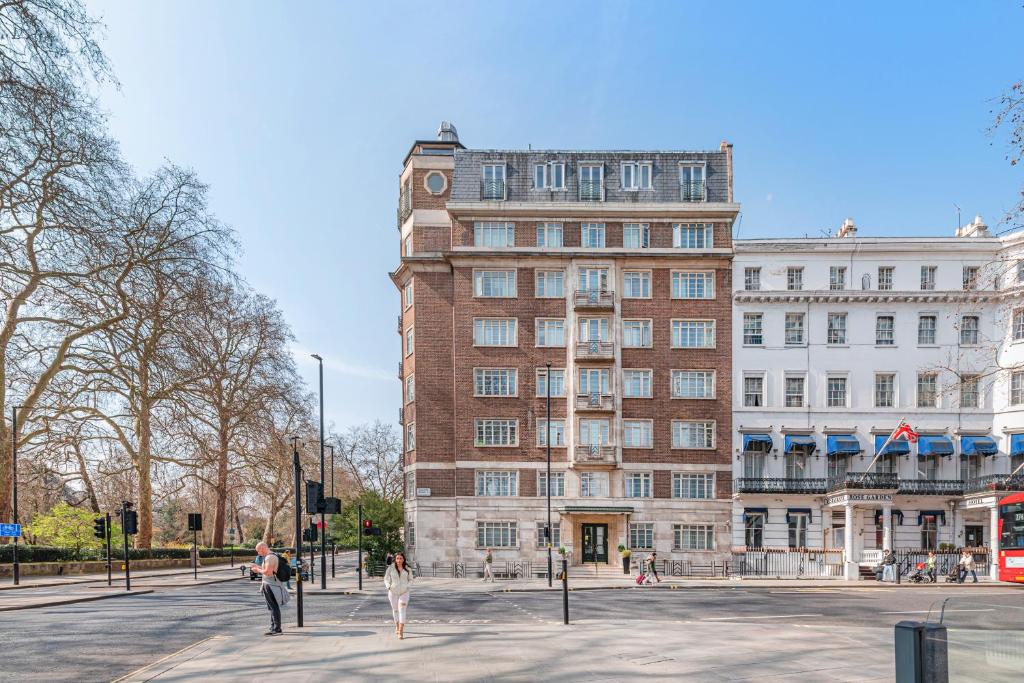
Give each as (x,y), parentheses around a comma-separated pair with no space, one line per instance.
(332,496)
(298,528)
(320,503)
(14,482)
(547,483)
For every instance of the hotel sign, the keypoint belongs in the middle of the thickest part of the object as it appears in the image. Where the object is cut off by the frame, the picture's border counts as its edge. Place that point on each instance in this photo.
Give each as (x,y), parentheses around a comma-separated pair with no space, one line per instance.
(845,498)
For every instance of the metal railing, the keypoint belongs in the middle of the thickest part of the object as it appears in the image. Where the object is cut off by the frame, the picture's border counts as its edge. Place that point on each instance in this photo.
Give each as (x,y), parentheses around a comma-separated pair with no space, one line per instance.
(691,191)
(946,561)
(864,480)
(929,487)
(803,563)
(595,350)
(510,569)
(776,485)
(401,369)
(400,330)
(401,416)
(591,190)
(404,206)
(594,298)
(995,482)
(688,568)
(492,189)
(595,453)
(595,401)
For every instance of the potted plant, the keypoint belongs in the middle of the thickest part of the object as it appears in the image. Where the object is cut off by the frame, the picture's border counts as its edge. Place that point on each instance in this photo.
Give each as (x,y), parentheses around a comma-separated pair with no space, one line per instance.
(625,554)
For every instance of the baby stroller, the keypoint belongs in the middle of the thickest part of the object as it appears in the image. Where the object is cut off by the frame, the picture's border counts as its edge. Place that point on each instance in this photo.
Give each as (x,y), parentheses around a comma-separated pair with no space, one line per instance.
(917,575)
(953,575)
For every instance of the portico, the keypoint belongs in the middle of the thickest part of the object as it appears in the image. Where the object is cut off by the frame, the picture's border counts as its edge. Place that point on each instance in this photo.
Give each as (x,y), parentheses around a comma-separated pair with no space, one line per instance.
(594,532)
(849,501)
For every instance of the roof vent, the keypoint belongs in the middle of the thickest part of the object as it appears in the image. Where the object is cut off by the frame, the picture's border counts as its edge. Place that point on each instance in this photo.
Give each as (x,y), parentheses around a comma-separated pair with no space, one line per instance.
(975,228)
(446,132)
(848,229)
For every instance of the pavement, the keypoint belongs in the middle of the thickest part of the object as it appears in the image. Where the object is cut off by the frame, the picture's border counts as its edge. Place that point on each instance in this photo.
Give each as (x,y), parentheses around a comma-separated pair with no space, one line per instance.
(117,575)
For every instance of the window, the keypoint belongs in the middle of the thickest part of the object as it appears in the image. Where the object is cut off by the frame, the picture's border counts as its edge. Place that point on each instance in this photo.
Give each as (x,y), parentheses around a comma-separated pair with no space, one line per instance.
(493,185)
(636,383)
(885,390)
(692,236)
(751,279)
(594,431)
(497,483)
(493,234)
(970,467)
(549,235)
(494,331)
(837,277)
(794,278)
(557,433)
(798,529)
(557,382)
(926,329)
(969,330)
(638,485)
(408,245)
(796,465)
(408,342)
(593,279)
(928,277)
(408,294)
(557,483)
(1018,324)
(691,183)
(693,334)
(636,284)
(550,332)
(693,537)
(1020,272)
(556,533)
(969,392)
(885,332)
(753,391)
(1016,388)
(753,528)
(641,535)
(698,486)
(637,434)
(410,389)
(838,466)
(753,462)
(794,329)
(636,176)
(591,182)
(550,284)
(495,381)
(753,333)
(636,334)
(593,484)
(435,182)
(885,278)
(410,437)
(971,277)
(794,392)
(688,434)
(494,283)
(549,176)
(594,381)
(497,534)
(836,328)
(496,432)
(592,235)
(410,534)
(929,532)
(835,392)
(693,285)
(693,384)
(636,236)
(927,389)
(594,329)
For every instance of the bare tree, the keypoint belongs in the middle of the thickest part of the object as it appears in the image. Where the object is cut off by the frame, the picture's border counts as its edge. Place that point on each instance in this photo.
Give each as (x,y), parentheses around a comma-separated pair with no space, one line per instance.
(372,454)
(1009,117)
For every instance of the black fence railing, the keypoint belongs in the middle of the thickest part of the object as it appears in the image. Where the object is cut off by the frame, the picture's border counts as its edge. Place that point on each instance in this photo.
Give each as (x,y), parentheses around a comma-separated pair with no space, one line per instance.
(684,568)
(509,569)
(995,482)
(864,480)
(776,485)
(926,487)
(946,561)
(492,189)
(691,191)
(591,191)
(782,563)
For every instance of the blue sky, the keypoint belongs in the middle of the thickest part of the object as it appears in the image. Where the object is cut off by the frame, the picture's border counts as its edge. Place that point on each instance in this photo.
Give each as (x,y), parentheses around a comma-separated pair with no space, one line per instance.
(298,116)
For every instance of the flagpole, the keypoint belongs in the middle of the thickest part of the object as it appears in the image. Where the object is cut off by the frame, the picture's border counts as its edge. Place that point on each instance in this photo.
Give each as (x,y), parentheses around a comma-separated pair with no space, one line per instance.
(879,451)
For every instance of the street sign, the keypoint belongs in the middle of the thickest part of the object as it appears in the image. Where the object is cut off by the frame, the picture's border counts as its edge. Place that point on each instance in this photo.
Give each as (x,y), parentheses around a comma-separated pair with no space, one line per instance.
(11,530)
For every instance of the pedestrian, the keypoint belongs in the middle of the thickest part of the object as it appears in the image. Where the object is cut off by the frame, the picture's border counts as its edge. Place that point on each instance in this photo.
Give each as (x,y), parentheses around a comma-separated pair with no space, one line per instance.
(274,573)
(287,557)
(885,571)
(967,565)
(930,566)
(488,572)
(397,580)
(652,562)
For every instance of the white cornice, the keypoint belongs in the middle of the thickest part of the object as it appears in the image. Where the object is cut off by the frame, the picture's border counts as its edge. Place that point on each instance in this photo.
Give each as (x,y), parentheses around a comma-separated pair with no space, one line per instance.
(870,296)
(679,211)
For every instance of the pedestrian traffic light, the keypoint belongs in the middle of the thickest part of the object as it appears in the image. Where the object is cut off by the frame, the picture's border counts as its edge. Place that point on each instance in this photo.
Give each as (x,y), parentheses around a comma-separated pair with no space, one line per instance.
(131,522)
(100,528)
(367,523)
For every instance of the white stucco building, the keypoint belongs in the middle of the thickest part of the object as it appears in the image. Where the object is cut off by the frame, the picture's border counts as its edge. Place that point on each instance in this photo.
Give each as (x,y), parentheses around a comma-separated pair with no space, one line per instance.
(835,340)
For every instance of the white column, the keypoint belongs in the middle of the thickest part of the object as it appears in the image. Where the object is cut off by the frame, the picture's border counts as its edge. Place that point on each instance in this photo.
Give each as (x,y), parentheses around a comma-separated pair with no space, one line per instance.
(852,569)
(994,544)
(886,526)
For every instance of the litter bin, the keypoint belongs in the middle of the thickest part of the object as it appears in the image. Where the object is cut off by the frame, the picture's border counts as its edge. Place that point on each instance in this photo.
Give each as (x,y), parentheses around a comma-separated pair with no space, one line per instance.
(921,653)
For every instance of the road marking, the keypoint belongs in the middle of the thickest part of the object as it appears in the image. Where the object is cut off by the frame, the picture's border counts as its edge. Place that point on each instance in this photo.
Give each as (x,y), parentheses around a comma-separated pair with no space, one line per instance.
(928,611)
(766,616)
(164,659)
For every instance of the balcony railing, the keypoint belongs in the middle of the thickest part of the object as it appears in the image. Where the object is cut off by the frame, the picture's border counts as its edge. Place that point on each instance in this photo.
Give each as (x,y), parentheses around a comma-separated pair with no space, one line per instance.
(591,191)
(594,298)
(404,206)
(400,324)
(930,487)
(691,191)
(864,480)
(995,482)
(401,369)
(775,485)
(492,189)
(595,350)
(595,401)
(595,454)
(401,416)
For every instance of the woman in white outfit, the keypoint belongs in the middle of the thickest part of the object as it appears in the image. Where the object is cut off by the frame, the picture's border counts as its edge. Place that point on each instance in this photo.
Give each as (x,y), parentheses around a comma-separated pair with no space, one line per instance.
(397,580)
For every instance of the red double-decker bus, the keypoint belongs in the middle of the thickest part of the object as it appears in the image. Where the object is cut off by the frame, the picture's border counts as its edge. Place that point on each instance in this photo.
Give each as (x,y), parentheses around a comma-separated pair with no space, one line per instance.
(1011,538)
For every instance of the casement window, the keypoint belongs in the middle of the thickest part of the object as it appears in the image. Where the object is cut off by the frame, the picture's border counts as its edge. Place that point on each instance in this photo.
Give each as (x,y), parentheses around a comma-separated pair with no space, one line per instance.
(497,432)
(693,537)
(550,284)
(494,234)
(692,236)
(796,465)
(691,183)
(969,326)
(549,176)
(636,175)
(410,484)
(839,465)
(752,279)
(408,245)
(410,388)
(693,384)
(695,486)
(410,437)
(794,278)
(497,535)
(556,533)
(636,383)
(408,294)
(835,391)
(549,235)
(637,434)
(687,285)
(837,277)
(753,391)
(593,280)
(971,277)
(592,235)
(885,278)
(557,433)
(753,463)
(926,329)
(693,334)
(638,485)
(408,342)
(494,283)
(495,332)
(753,329)
(591,182)
(495,381)
(636,334)
(794,329)
(497,483)
(550,332)
(636,284)
(641,535)
(885,390)
(593,484)
(753,529)
(836,328)
(885,330)
(493,181)
(928,277)
(593,381)
(798,523)
(929,532)
(410,534)
(927,389)
(796,391)
(1017,388)
(557,382)
(969,391)
(594,431)
(594,329)
(636,235)
(1018,324)
(557,483)
(692,434)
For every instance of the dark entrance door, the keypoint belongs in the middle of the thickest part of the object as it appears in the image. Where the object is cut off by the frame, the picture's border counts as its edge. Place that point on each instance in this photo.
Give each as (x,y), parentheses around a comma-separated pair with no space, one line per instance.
(595,543)
(973,535)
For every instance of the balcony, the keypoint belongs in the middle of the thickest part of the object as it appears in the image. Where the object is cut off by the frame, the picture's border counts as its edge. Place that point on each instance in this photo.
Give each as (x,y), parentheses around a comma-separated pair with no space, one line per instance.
(591,191)
(932,487)
(492,189)
(864,480)
(595,454)
(401,416)
(995,482)
(401,370)
(404,206)
(692,191)
(595,402)
(775,485)
(400,330)
(595,350)
(594,299)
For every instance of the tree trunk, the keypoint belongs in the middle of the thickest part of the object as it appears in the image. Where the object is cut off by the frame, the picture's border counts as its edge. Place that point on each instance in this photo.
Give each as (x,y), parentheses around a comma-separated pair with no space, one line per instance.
(268,530)
(6,483)
(90,490)
(144,465)
(221,489)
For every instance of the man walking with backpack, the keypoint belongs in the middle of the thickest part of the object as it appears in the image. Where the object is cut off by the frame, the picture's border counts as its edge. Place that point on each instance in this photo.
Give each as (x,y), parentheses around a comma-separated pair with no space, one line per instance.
(276,574)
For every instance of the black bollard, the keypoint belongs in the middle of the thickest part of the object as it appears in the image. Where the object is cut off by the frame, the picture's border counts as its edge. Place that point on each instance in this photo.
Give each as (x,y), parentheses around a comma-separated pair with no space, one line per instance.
(565,591)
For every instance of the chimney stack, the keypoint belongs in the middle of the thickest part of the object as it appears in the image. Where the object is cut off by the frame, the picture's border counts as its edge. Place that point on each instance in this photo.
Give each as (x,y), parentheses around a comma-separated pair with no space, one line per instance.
(975,228)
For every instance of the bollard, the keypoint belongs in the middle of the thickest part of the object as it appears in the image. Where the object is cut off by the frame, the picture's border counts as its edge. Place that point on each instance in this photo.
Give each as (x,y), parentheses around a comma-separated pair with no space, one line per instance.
(334,551)
(898,573)
(565,591)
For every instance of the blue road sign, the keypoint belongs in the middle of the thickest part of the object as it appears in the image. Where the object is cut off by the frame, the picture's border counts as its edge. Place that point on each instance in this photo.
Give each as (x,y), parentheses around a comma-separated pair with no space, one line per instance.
(10,530)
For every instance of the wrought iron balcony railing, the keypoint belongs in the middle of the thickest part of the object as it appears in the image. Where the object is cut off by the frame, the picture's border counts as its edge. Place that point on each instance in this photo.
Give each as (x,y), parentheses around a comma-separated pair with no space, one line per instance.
(995,482)
(776,485)
(400,330)
(692,191)
(401,370)
(595,454)
(594,298)
(591,191)
(404,206)
(932,487)
(595,402)
(492,189)
(595,350)
(864,480)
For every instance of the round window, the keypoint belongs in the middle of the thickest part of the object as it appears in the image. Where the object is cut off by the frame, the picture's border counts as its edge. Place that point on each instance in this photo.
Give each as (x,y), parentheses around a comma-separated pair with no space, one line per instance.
(436,182)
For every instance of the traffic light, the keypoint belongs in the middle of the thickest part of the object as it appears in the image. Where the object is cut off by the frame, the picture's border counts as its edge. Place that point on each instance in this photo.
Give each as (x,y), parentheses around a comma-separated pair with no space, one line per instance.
(367,523)
(131,522)
(314,497)
(332,506)
(195,521)
(99,526)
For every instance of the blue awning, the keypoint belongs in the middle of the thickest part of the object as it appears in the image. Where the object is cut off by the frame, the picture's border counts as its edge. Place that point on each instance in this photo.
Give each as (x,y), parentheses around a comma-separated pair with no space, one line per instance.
(762,441)
(1017,444)
(898,514)
(981,445)
(934,445)
(897,447)
(842,444)
(799,511)
(800,442)
(937,514)
(763,511)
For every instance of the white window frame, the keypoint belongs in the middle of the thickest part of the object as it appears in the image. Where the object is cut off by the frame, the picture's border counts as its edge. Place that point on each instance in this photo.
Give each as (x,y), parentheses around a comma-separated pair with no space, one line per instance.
(493,533)
(837,278)
(646,328)
(752,279)
(484,377)
(1017,325)
(928,277)
(702,241)
(506,482)
(512,330)
(410,341)
(494,168)
(641,276)
(545,233)
(587,169)
(637,433)
(636,174)
(753,328)
(693,284)
(875,389)
(586,427)
(794,278)
(646,378)
(407,290)
(707,427)
(593,229)
(935,392)
(545,279)
(644,230)
(593,484)
(885,337)
(786,395)
(410,437)
(968,379)
(639,485)
(641,536)
(703,482)
(830,401)
(788,328)
(544,172)
(1016,393)
(683,378)
(760,401)
(558,481)
(691,532)
(410,388)
(481,275)
(509,426)
(934,329)
(976,330)
(543,324)
(885,284)
(542,377)
(837,335)
(557,432)
(484,233)
(709,330)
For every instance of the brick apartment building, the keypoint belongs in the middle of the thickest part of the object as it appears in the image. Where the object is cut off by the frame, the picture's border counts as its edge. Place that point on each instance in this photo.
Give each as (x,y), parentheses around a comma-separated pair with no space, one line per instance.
(615,268)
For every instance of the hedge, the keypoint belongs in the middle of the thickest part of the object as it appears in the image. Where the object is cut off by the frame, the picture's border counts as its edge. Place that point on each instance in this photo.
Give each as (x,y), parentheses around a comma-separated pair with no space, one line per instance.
(45,553)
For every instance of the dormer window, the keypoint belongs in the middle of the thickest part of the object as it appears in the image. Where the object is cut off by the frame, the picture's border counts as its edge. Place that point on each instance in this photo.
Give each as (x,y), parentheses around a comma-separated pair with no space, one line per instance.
(636,176)
(549,176)
(492,185)
(591,182)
